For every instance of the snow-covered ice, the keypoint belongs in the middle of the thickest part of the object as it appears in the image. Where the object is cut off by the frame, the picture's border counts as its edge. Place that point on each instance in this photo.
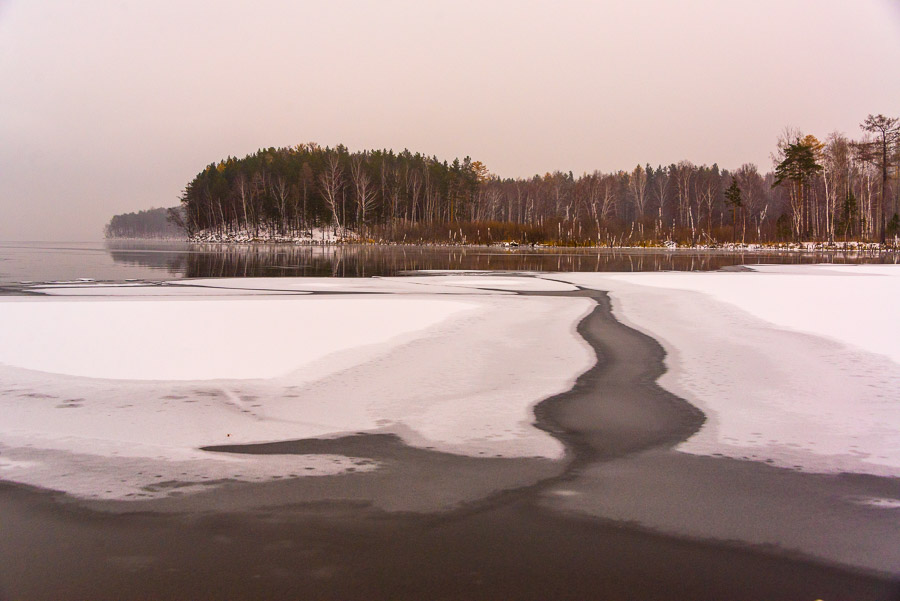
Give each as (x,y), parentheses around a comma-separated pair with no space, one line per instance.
(852,304)
(156,289)
(200,340)
(107,392)
(439,283)
(96,402)
(493,282)
(795,365)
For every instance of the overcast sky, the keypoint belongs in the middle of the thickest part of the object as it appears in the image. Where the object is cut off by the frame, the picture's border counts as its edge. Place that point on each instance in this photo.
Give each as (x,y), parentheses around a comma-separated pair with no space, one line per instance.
(111,107)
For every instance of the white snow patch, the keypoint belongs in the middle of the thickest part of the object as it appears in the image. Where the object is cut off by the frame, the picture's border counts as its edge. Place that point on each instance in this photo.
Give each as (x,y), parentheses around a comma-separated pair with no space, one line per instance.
(881,502)
(202,339)
(510,282)
(564,492)
(6,463)
(140,478)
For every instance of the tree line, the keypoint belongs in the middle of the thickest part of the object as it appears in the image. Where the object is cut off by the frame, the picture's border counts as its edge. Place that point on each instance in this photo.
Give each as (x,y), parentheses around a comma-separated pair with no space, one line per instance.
(823,190)
(152,223)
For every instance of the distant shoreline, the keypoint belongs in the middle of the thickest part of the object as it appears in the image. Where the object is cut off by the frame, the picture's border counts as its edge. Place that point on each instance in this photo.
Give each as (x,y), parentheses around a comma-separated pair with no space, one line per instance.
(791,247)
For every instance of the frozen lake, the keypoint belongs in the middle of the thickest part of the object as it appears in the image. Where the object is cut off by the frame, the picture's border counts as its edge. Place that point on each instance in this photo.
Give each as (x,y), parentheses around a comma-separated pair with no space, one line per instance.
(743,423)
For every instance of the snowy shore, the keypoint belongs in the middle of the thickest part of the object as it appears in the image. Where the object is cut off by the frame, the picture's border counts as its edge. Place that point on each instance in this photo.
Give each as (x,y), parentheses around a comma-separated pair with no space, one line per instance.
(332,235)
(317,235)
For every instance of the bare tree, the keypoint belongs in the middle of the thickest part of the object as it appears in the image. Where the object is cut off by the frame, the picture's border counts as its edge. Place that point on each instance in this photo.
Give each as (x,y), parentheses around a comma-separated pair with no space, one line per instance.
(684,171)
(836,163)
(414,182)
(708,191)
(602,196)
(365,190)
(755,195)
(331,184)
(282,193)
(637,184)
(660,190)
(246,192)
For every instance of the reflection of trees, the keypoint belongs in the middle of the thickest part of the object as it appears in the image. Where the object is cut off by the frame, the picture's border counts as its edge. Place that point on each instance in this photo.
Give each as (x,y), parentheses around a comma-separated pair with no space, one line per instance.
(168,256)
(171,262)
(273,260)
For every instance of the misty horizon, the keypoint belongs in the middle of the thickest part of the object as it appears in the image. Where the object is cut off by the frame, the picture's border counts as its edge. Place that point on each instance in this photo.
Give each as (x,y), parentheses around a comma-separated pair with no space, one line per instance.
(114,108)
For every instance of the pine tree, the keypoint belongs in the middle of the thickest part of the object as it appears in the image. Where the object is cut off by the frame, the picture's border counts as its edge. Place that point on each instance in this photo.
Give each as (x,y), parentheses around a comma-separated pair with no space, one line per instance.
(733,196)
(799,166)
(888,130)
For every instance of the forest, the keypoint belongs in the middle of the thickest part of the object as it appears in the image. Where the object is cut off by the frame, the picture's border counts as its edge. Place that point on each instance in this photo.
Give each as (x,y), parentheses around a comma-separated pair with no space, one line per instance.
(828,190)
(152,223)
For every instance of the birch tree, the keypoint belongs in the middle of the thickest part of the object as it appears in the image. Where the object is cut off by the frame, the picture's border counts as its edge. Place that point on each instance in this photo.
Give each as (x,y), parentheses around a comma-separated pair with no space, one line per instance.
(637,185)
(331,184)
(364,189)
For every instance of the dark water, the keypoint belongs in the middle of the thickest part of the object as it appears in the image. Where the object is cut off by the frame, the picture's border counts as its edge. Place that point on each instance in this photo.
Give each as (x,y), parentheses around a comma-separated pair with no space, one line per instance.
(161,260)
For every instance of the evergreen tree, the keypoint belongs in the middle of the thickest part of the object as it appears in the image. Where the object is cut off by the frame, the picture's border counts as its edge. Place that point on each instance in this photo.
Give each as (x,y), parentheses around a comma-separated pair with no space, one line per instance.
(888,131)
(733,196)
(798,166)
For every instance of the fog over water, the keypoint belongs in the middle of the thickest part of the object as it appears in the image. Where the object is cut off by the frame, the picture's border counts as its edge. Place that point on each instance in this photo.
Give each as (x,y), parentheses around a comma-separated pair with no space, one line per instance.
(112,107)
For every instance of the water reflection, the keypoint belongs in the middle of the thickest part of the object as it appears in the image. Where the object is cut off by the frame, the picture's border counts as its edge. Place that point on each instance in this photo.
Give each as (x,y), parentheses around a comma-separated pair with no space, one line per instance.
(274,260)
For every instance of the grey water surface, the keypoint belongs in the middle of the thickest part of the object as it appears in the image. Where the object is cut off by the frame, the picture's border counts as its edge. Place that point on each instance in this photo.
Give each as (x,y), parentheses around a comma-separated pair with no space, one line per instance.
(156,260)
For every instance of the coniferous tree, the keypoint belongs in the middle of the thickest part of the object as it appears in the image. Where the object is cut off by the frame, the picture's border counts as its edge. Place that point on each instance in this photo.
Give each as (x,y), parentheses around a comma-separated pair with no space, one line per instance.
(733,196)
(887,130)
(799,166)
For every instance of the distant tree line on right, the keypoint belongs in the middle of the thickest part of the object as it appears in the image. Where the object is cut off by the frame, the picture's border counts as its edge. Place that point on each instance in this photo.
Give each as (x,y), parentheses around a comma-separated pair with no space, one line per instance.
(829,190)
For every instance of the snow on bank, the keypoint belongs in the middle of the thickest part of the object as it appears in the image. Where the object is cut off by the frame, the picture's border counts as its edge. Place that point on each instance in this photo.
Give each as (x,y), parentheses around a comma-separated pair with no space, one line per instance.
(458,374)
(798,366)
(316,235)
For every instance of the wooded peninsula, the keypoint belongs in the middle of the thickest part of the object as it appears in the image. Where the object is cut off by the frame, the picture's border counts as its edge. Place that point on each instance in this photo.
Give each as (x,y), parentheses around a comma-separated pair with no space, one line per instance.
(829,190)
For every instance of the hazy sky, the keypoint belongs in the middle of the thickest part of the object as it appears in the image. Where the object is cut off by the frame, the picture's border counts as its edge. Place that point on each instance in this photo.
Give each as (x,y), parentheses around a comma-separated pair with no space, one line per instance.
(111,107)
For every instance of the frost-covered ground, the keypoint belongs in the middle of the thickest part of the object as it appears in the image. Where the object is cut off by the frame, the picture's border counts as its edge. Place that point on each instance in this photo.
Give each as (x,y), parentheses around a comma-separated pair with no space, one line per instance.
(798,366)
(108,394)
